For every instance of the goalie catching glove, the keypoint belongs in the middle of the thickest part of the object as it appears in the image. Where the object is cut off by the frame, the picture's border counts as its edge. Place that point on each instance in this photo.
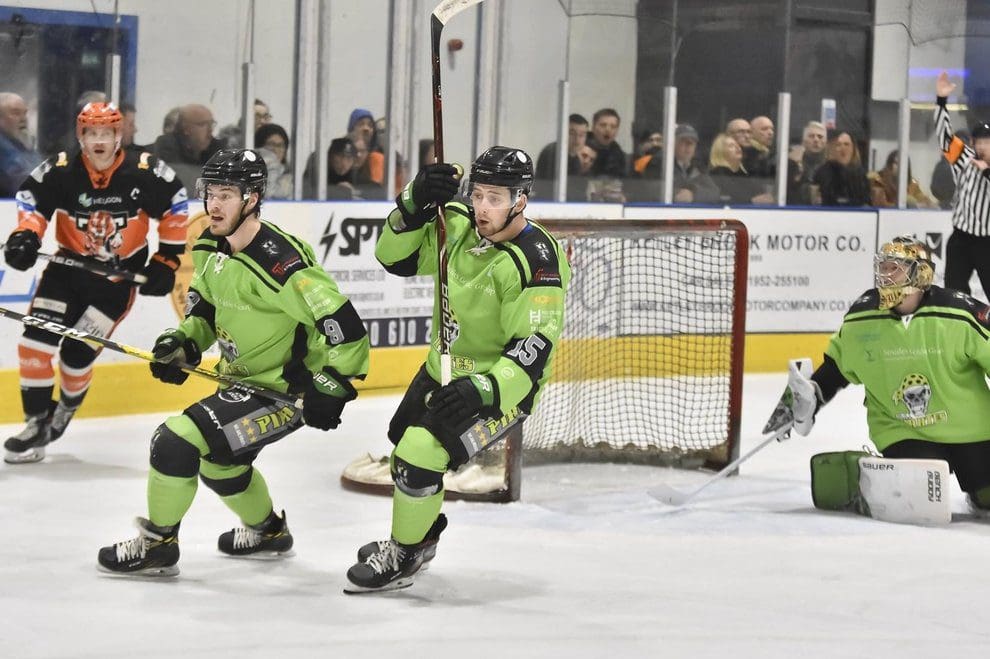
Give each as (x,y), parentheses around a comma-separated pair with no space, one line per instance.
(171,349)
(798,404)
(325,397)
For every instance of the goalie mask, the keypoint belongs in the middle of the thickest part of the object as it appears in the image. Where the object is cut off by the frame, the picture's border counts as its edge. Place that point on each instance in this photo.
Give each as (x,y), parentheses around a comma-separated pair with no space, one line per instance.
(504,167)
(901,267)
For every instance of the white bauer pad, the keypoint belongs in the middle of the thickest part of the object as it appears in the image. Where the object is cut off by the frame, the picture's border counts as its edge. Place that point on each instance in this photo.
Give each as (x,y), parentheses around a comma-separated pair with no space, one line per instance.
(906,491)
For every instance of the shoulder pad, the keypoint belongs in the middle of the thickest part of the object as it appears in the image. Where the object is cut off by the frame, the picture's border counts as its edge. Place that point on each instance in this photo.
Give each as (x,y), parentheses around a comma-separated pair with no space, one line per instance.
(868,301)
(540,252)
(276,254)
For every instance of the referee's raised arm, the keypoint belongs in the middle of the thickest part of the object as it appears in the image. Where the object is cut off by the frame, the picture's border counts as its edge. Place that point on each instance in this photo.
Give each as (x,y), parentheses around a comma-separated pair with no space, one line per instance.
(968,248)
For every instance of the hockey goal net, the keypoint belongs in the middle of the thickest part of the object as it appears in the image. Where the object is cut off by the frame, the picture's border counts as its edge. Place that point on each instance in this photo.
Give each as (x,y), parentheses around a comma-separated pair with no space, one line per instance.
(649,367)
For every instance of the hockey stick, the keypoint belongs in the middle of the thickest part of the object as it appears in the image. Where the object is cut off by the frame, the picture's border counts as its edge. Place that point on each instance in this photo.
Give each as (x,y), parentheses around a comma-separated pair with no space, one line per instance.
(675,497)
(73,333)
(90,266)
(442,13)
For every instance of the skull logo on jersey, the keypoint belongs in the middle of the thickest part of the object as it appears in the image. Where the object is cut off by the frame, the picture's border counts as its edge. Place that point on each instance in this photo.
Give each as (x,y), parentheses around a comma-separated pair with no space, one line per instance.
(102,238)
(228,349)
(916,393)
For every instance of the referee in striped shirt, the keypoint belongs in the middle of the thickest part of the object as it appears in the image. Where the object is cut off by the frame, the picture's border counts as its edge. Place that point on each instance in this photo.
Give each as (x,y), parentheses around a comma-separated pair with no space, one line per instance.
(968,247)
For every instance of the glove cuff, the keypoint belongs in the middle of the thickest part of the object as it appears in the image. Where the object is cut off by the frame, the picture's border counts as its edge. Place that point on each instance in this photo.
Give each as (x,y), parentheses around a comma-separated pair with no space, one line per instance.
(167,260)
(411,216)
(487,389)
(330,382)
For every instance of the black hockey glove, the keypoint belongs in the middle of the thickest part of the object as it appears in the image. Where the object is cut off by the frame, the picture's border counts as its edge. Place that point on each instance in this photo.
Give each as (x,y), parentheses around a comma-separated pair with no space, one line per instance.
(436,184)
(171,349)
(160,272)
(21,250)
(325,397)
(462,400)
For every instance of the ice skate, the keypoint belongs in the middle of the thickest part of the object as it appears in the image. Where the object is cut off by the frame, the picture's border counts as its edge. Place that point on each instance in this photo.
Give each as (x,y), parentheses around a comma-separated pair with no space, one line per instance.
(270,539)
(429,544)
(154,552)
(391,568)
(29,445)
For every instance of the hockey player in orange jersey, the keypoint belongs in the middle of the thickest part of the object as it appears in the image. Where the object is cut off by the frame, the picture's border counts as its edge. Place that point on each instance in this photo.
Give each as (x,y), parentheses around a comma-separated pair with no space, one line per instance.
(102,200)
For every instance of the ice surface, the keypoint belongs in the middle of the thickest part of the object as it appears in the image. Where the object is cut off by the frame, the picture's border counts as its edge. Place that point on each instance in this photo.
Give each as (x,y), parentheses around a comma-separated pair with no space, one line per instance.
(586,565)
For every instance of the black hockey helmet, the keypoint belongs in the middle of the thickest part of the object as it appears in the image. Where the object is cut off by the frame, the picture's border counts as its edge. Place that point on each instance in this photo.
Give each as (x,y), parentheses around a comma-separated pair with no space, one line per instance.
(981,129)
(504,166)
(244,168)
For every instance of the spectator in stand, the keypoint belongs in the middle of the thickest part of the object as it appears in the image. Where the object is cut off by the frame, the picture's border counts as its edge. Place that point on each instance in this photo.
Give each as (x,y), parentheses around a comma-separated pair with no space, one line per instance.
(17,158)
(762,163)
(171,118)
(381,141)
(361,125)
(272,142)
(691,184)
(546,163)
(341,157)
(611,159)
(883,186)
(649,148)
(231,135)
(368,166)
(191,144)
(841,181)
(727,171)
(742,132)
(128,129)
(943,185)
(803,161)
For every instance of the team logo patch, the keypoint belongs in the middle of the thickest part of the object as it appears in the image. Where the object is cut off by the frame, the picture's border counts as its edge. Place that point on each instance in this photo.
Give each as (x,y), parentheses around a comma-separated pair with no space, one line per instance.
(233,395)
(192,299)
(915,393)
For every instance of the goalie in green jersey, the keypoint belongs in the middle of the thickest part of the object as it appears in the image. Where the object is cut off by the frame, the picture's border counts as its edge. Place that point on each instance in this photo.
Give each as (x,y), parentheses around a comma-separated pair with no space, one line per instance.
(922,353)
(507,280)
(281,324)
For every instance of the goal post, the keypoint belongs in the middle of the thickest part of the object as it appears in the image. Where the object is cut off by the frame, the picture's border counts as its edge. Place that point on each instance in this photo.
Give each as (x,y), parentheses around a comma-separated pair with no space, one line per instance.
(650,363)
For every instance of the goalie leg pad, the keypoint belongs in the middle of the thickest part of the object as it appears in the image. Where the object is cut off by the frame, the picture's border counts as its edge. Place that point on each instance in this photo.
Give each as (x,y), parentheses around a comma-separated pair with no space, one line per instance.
(835,481)
(906,491)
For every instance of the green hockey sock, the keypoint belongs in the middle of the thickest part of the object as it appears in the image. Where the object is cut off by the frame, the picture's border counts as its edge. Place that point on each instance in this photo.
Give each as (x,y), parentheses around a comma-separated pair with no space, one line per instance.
(253,504)
(169,497)
(412,517)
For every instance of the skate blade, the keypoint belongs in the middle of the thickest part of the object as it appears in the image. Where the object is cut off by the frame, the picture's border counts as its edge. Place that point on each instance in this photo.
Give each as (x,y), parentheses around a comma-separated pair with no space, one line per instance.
(152,572)
(398,584)
(25,457)
(263,555)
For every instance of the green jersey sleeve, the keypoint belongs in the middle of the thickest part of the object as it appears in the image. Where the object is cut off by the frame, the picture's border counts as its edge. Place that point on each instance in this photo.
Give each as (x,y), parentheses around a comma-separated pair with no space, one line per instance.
(199,323)
(532,315)
(407,253)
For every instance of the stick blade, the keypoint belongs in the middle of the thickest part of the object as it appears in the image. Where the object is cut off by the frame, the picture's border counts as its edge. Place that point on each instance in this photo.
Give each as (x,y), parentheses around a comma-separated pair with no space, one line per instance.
(669,495)
(447,9)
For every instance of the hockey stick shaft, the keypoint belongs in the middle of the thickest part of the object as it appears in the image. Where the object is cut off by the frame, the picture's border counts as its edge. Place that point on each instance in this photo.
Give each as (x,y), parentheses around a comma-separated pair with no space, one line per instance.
(90,266)
(80,335)
(675,497)
(442,13)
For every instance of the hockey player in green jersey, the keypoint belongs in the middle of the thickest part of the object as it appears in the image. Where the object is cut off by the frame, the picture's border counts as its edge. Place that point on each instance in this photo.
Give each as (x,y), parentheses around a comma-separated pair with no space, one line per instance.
(922,353)
(280,323)
(507,280)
